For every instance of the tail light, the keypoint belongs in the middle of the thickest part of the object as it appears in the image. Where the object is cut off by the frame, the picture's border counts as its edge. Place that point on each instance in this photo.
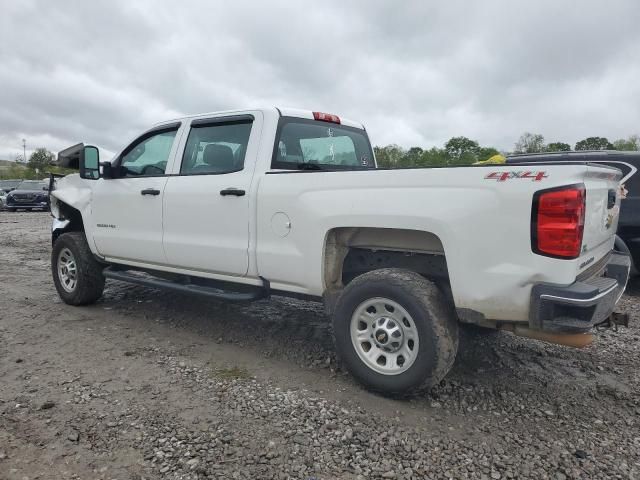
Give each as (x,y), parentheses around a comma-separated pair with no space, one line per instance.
(557,222)
(326,117)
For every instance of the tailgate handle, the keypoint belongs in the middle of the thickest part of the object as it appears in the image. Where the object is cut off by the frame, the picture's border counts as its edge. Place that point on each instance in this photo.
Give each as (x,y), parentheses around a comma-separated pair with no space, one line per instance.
(611,199)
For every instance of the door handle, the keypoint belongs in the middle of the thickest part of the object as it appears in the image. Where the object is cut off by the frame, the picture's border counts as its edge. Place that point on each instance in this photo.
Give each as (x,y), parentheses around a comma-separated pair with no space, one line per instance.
(150,191)
(236,192)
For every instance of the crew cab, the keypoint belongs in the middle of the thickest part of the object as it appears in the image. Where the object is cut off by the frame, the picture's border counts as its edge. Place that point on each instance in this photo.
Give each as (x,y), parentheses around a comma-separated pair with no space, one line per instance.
(240,205)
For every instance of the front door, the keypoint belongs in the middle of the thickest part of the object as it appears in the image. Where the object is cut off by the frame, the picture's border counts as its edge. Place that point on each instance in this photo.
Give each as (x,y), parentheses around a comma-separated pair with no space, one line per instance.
(207,204)
(127,210)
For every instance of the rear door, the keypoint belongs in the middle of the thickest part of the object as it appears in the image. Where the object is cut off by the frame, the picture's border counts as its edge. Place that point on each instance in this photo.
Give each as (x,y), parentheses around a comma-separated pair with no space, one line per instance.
(207,202)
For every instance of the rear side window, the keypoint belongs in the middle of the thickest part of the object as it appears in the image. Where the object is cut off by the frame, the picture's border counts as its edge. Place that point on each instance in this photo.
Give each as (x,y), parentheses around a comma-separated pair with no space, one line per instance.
(317,145)
(216,148)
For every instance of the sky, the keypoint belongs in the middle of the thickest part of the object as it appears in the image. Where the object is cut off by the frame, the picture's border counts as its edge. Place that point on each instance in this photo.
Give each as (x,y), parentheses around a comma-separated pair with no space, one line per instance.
(415,73)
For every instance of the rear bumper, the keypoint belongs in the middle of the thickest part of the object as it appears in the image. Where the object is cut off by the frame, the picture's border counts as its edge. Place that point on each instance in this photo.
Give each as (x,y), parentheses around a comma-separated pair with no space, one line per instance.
(583,304)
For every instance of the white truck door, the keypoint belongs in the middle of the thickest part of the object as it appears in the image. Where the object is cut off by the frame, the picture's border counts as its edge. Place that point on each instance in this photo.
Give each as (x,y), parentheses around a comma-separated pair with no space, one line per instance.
(127,210)
(207,201)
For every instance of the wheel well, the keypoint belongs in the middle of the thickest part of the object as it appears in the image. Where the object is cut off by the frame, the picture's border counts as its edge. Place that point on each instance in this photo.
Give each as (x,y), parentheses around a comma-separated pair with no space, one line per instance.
(350,252)
(66,212)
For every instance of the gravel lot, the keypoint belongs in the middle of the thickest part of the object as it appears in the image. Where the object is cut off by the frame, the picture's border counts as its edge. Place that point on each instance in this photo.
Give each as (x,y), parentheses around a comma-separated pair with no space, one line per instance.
(149,384)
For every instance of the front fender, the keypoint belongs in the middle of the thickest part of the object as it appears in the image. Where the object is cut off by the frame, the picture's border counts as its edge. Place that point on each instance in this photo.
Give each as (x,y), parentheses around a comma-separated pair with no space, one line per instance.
(70,190)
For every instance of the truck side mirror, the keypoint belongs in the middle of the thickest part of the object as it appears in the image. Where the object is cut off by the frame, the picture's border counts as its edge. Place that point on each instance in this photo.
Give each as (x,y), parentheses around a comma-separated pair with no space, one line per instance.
(90,163)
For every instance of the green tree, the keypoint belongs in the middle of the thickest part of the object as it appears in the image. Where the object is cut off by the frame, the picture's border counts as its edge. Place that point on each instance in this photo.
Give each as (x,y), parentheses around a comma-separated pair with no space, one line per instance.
(461,150)
(558,147)
(485,153)
(631,144)
(41,159)
(435,157)
(530,143)
(594,143)
(389,156)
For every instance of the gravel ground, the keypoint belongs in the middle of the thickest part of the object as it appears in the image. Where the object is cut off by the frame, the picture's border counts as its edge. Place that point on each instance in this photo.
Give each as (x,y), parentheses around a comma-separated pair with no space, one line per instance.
(149,384)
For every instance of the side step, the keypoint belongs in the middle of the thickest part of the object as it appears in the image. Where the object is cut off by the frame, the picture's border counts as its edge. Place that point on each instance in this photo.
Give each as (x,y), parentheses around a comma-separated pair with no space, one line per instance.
(211,292)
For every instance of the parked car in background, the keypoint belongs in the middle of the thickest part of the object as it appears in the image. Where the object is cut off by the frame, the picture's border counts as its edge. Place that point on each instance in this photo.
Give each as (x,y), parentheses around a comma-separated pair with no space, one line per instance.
(7,186)
(28,195)
(628,239)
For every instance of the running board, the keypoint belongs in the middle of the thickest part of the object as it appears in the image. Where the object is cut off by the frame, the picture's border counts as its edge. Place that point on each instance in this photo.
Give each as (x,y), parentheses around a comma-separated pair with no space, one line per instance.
(211,292)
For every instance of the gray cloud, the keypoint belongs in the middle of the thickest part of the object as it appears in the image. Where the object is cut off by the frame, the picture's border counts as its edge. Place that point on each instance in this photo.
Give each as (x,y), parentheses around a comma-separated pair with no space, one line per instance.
(416,73)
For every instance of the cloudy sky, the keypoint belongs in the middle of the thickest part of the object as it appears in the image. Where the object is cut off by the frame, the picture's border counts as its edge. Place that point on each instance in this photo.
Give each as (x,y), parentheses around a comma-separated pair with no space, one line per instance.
(415,72)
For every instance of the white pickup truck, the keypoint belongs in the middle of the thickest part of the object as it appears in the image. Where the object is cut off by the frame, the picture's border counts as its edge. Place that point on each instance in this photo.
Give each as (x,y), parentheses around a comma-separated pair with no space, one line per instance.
(243,204)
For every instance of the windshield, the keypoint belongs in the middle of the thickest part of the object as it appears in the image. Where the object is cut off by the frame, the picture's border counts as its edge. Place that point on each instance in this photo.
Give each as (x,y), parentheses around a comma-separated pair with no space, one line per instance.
(316,145)
(32,185)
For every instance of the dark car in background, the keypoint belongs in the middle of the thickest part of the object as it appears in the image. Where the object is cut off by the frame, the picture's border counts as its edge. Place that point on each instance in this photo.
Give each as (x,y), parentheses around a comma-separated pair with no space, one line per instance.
(628,239)
(7,186)
(28,195)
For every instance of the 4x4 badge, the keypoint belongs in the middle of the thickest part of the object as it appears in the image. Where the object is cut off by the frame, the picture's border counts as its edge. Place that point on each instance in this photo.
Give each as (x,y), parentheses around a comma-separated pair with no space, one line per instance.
(503,176)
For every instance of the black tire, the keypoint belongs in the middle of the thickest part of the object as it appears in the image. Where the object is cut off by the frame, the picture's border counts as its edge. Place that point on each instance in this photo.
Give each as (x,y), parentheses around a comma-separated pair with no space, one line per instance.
(11,209)
(478,330)
(89,278)
(434,319)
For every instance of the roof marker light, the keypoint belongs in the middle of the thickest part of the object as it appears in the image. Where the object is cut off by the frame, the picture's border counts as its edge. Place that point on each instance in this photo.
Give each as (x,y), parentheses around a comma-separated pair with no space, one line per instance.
(326,117)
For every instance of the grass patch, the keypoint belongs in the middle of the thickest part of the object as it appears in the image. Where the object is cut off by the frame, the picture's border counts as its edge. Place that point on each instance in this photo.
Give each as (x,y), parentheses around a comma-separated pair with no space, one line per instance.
(233,373)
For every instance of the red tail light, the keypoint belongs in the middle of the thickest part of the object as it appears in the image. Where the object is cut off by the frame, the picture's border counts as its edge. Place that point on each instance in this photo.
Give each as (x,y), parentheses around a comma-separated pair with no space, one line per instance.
(326,117)
(558,221)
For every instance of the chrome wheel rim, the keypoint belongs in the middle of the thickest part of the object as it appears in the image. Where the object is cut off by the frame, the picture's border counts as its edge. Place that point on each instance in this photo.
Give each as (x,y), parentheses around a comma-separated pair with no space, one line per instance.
(384,336)
(67,270)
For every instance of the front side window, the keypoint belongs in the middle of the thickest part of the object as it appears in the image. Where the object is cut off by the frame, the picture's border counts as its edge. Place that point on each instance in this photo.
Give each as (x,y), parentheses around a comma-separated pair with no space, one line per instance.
(149,155)
(216,148)
(317,145)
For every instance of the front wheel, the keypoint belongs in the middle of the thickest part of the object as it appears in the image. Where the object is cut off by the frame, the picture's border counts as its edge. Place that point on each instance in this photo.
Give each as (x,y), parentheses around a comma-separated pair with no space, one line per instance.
(77,275)
(395,331)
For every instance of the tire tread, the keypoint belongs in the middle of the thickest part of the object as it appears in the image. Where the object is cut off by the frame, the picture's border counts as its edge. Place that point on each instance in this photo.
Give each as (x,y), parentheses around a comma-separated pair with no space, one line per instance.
(90,278)
(434,303)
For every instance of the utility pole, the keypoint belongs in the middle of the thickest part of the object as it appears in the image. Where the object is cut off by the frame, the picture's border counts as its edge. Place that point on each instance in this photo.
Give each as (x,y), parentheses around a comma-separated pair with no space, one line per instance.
(24,150)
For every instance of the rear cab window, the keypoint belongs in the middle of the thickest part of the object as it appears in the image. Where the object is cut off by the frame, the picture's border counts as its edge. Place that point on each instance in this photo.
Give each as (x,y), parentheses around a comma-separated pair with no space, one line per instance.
(305,144)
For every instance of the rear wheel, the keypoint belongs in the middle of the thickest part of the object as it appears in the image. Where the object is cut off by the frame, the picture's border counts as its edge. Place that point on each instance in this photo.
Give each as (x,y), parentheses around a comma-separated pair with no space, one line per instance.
(10,209)
(395,331)
(77,275)
(473,329)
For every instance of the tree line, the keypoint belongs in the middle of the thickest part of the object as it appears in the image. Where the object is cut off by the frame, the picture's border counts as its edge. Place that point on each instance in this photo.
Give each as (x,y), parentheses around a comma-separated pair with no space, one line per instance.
(456,151)
(39,165)
(464,151)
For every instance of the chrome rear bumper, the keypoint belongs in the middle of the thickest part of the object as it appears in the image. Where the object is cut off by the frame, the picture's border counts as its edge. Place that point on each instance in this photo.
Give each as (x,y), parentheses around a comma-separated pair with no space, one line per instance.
(583,304)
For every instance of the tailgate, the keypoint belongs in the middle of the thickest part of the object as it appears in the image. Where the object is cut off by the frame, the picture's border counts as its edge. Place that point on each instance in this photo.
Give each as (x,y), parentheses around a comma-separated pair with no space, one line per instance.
(602,212)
